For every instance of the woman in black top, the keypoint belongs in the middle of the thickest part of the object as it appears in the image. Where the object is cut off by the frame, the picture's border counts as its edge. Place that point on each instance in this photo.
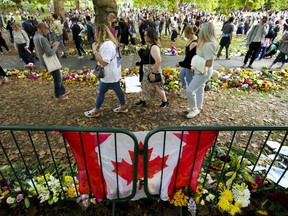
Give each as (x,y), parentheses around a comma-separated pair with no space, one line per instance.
(186,74)
(151,60)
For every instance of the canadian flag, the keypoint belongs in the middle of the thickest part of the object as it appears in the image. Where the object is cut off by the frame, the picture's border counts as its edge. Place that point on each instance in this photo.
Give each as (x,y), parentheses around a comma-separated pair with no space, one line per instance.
(171,164)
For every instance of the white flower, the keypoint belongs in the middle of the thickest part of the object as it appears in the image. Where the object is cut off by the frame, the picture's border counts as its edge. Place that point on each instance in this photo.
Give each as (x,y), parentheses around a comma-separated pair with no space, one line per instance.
(210,197)
(241,194)
(202,202)
(54,184)
(18,189)
(10,200)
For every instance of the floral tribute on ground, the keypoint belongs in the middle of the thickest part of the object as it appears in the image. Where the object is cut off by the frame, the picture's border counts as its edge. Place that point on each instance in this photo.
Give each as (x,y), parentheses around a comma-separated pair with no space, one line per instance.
(241,79)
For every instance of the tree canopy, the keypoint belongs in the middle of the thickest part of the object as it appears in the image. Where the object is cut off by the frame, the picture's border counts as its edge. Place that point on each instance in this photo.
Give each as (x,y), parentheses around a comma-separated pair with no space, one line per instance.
(211,5)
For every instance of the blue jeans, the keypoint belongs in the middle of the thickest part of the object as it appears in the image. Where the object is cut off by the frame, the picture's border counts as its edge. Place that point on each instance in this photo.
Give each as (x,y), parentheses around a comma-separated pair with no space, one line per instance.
(60,40)
(104,87)
(195,90)
(186,75)
(263,51)
(58,85)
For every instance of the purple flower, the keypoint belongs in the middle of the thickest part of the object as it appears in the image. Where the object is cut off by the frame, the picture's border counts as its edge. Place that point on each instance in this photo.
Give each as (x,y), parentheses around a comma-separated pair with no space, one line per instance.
(2,182)
(11,185)
(6,188)
(258,180)
(19,198)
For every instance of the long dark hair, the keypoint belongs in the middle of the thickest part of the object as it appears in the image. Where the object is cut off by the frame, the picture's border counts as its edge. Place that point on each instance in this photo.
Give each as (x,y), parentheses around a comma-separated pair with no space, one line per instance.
(152,36)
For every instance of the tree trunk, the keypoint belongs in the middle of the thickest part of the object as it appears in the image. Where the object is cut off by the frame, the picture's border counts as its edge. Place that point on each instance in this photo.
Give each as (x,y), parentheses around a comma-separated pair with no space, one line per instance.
(77,4)
(175,8)
(102,8)
(59,7)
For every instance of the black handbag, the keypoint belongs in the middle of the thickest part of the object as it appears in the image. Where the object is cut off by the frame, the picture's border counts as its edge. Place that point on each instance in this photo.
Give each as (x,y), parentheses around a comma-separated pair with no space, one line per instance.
(99,71)
(158,76)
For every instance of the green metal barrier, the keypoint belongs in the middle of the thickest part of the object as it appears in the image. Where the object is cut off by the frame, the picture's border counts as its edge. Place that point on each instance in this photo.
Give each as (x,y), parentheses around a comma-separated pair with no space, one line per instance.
(31,152)
(247,142)
(37,153)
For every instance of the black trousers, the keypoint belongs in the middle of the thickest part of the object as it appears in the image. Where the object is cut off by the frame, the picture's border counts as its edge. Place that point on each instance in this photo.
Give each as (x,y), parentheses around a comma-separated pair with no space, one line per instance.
(79,48)
(2,72)
(24,54)
(3,44)
(254,47)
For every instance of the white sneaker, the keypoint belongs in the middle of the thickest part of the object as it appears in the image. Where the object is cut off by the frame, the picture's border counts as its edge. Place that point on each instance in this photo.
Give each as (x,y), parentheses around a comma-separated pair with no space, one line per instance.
(5,80)
(183,95)
(193,113)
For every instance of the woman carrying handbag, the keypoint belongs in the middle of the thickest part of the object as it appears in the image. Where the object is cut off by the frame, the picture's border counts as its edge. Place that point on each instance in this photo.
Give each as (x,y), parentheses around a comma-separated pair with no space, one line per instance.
(151,60)
(206,49)
(105,51)
(45,49)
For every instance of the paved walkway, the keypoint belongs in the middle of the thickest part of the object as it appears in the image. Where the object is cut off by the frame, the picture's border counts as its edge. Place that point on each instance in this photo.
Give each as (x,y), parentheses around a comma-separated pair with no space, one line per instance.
(13,61)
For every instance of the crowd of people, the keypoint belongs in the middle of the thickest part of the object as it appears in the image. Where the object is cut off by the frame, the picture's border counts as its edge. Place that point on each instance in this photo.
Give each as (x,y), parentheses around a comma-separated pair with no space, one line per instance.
(51,33)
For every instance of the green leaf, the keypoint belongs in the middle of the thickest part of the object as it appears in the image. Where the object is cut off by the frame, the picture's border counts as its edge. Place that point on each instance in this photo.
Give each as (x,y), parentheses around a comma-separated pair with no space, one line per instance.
(229,173)
(27,202)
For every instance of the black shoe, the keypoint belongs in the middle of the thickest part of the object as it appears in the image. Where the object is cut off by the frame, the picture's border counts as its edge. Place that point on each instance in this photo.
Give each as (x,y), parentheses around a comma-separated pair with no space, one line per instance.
(92,58)
(164,104)
(63,56)
(249,66)
(141,103)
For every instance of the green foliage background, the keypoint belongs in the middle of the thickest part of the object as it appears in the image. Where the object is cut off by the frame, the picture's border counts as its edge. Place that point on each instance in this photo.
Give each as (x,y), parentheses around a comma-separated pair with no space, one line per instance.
(223,6)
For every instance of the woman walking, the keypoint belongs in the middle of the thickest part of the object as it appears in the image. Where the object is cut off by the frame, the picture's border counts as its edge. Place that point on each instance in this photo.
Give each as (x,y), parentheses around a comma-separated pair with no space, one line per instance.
(21,43)
(105,51)
(151,58)
(206,48)
(186,74)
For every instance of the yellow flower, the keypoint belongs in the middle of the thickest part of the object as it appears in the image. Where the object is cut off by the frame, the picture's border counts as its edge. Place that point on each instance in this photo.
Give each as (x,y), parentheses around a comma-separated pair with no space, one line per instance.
(40,179)
(224,204)
(199,190)
(227,194)
(5,193)
(238,204)
(68,179)
(261,212)
(221,185)
(234,210)
(71,192)
(225,85)
(197,199)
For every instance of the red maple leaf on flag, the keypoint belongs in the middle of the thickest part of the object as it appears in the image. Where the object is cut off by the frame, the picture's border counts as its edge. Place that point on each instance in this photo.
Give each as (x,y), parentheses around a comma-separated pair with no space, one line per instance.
(125,170)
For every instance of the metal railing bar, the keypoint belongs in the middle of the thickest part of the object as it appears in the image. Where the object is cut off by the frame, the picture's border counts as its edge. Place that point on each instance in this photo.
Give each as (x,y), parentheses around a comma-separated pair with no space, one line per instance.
(23,160)
(54,162)
(162,164)
(70,164)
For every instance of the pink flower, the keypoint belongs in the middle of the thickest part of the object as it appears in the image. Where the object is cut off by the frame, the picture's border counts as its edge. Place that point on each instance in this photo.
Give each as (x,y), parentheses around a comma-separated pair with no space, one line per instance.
(83,197)
(19,198)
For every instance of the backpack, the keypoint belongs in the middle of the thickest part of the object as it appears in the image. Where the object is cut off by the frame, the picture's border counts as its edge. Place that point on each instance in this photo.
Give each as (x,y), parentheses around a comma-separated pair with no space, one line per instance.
(28,28)
(277,28)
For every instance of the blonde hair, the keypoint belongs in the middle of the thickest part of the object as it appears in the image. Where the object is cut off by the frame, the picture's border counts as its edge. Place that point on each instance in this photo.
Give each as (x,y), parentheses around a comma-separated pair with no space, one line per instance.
(207,34)
(103,34)
(16,24)
(191,29)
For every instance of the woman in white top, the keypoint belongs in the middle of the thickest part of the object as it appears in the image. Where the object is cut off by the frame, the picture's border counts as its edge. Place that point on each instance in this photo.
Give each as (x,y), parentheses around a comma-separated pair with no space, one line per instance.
(206,48)
(105,51)
(21,43)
